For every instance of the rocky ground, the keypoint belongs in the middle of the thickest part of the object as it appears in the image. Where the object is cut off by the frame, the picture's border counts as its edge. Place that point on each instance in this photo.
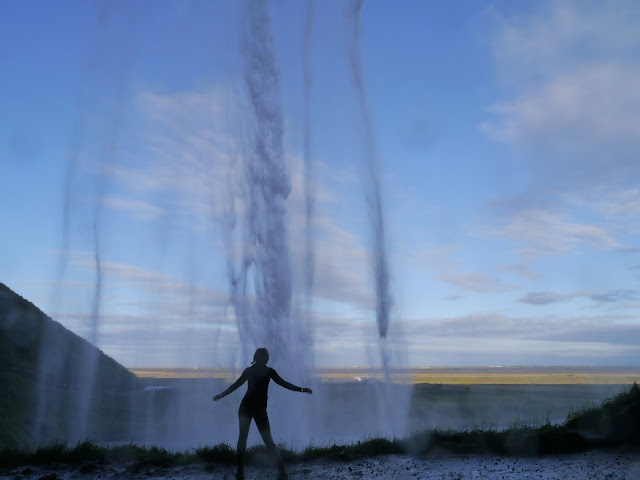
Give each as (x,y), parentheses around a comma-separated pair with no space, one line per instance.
(605,465)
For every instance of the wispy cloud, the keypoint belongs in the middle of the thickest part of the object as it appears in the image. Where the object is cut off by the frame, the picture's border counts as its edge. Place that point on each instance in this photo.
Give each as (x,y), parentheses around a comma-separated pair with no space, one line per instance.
(572,71)
(138,208)
(196,160)
(444,263)
(180,158)
(475,282)
(586,329)
(563,36)
(520,269)
(594,105)
(603,297)
(489,338)
(185,162)
(546,298)
(612,296)
(622,204)
(121,275)
(545,232)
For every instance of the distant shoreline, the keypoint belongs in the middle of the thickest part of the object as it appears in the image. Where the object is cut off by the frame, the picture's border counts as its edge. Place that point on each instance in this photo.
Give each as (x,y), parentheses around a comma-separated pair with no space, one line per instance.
(494,375)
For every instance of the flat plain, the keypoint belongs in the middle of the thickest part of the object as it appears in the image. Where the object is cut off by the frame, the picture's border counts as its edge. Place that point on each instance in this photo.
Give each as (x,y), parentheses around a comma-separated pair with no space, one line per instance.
(350,402)
(496,375)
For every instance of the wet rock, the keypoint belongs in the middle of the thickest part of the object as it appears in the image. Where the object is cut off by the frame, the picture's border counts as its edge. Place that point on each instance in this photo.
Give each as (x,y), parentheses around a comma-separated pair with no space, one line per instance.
(88,468)
(51,476)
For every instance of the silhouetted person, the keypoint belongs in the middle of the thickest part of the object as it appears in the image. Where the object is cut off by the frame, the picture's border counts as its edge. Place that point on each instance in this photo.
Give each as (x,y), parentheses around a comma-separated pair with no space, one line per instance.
(254,405)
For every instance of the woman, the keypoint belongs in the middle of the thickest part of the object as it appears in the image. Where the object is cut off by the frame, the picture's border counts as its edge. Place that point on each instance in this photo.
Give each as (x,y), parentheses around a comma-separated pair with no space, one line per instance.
(254,405)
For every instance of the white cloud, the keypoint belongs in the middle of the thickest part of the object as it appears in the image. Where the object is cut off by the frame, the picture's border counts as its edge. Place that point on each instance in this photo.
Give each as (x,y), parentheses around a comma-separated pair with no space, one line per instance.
(180,157)
(183,165)
(123,276)
(475,282)
(193,169)
(596,104)
(624,204)
(613,329)
(521,270)
(149,340)
(341,261)
(558,36)
(546,298)
(570,105)
(544,232)
(489,338)
(599,297)
(571,70)
(140,209)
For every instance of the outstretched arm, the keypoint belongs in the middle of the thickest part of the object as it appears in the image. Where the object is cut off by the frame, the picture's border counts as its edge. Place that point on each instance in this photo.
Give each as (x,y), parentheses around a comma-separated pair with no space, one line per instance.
(289,386)
(234,386)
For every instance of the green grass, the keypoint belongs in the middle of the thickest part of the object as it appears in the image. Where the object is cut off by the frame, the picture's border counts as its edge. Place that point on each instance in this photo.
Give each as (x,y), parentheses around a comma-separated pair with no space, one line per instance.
(91,452)
(615,423)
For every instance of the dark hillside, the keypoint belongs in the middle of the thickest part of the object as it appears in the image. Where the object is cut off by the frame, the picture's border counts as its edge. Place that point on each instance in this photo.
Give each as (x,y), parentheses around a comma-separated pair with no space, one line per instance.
(616,421)
(55,384)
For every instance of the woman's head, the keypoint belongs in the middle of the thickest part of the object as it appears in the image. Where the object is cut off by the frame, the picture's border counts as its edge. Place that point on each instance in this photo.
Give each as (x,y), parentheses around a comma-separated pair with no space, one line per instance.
(261,356)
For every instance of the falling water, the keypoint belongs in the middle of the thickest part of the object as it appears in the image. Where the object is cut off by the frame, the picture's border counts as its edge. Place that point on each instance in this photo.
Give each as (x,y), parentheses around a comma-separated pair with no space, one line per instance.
(308,161)
(260,280)
(394,401)
(80,422)
(372,181)
(263,307)
(53,358)
(266,256)
(309,180)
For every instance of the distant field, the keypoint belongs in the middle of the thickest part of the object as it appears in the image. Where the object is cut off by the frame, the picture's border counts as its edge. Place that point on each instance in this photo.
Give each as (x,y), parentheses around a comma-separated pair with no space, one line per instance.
(437,375)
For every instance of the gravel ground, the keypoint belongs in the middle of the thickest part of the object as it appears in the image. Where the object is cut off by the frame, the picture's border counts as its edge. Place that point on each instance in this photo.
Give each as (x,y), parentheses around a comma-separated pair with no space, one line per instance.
(601,465)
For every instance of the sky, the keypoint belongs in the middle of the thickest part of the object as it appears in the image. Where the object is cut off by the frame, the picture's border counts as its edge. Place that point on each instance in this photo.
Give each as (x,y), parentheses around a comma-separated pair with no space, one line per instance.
(507,141)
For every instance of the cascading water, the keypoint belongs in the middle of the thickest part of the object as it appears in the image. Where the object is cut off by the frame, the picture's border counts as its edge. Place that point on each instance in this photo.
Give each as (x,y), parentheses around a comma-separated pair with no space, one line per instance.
(265,320)
(79,413)
(259,262)
(266,253)
(394,405)
(371,181)
(78,401)
(309,176)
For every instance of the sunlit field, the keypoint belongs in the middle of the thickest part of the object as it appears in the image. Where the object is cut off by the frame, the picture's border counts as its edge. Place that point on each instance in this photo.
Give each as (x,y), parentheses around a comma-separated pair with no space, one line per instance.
(437,375)
(457,398)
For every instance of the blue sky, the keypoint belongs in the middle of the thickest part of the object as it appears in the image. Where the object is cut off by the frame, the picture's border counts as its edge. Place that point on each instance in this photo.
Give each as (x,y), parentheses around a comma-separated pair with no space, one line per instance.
(508,138)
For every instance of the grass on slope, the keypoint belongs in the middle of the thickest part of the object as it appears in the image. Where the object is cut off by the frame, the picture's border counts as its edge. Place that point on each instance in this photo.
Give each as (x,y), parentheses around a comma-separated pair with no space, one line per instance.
(616,422)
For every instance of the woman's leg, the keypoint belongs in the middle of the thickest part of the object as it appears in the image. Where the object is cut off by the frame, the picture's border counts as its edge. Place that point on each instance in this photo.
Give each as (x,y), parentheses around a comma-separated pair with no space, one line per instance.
(244,419)
(262,422)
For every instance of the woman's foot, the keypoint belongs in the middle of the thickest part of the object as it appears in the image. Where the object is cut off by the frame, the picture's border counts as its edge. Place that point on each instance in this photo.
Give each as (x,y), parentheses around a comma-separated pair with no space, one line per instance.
(239,475)
(283,475)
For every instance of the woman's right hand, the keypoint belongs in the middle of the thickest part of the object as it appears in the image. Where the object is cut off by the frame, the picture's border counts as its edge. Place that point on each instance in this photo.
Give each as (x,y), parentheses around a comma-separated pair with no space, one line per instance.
(217,397)
(306,390)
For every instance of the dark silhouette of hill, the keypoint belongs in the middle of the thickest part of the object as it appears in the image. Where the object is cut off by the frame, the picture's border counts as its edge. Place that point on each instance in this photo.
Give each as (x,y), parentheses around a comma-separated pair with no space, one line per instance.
(55,384)
(616,421)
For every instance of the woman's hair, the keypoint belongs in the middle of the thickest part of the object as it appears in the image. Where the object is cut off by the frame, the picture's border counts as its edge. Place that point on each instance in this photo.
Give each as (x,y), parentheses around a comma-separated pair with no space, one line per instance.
(261,356)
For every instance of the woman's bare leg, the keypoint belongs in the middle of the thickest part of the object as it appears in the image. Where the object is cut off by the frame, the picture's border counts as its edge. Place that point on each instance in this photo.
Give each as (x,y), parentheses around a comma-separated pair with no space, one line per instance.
(245,423)
(262,422)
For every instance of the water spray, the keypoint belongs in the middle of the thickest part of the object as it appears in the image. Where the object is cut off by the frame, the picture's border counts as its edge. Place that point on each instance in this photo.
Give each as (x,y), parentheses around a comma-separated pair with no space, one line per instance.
(393,414)
(372,181)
